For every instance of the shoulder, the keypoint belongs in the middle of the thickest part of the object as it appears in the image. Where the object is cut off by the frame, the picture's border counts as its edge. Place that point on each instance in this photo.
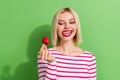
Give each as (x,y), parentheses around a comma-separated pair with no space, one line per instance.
(90,54)
(91,58)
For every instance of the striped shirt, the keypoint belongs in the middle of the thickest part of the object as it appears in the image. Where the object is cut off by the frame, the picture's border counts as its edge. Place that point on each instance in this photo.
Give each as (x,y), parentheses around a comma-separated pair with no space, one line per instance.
(81,67)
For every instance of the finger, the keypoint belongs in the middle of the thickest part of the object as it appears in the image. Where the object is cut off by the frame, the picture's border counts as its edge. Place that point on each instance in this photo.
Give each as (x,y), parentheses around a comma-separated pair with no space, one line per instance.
(42,47)
(46,52)
(41,50)
(49,56)
(43,54)
(46,55)
(40,53)
(45,47)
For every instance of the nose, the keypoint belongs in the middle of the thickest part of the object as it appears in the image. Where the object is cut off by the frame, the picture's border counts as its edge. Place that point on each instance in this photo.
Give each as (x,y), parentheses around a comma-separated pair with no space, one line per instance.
(67,25)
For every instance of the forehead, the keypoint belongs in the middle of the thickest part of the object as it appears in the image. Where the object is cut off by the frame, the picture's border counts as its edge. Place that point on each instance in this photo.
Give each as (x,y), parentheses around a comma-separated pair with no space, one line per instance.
(66,16)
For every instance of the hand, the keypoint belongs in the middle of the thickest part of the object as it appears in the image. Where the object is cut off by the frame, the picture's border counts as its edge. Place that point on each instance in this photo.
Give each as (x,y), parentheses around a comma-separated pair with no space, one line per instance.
(45,55)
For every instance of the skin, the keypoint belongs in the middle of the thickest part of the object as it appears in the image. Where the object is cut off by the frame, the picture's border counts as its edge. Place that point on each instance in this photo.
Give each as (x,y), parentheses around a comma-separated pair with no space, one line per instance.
(66,45)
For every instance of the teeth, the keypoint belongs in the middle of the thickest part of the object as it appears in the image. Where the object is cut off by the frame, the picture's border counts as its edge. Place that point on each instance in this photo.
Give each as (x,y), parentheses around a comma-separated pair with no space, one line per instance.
(67,33)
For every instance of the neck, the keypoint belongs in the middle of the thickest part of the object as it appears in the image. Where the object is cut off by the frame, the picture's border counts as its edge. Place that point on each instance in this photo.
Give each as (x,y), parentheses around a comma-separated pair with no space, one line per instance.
(66,46)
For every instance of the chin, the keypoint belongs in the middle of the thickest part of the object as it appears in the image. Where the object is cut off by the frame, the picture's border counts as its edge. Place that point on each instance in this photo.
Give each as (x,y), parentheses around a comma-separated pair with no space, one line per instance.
(67,38)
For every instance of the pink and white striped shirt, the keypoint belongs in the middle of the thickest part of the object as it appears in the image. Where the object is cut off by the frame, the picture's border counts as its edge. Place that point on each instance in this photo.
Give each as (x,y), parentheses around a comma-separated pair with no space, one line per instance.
(81,67)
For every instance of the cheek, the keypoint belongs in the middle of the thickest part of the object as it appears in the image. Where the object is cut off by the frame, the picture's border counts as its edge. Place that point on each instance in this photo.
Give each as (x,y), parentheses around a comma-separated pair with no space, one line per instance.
(75,30)
(59,28)
(74,27)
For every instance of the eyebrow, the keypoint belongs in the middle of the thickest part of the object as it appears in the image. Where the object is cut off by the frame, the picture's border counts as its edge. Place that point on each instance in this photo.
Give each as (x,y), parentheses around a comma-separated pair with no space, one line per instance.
(60,20)
(70,19)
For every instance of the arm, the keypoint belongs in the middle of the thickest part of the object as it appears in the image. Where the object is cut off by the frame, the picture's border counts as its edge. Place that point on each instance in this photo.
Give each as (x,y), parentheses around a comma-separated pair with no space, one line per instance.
(92,68)
(46,64)
(46,70)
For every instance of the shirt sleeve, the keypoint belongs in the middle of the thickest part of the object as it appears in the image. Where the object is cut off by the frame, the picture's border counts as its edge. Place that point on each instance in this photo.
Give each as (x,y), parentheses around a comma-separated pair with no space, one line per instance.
(92,68)
(46,70)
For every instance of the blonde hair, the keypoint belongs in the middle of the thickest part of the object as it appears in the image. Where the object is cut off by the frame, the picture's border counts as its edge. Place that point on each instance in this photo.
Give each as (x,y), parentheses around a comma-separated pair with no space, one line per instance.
(55,39)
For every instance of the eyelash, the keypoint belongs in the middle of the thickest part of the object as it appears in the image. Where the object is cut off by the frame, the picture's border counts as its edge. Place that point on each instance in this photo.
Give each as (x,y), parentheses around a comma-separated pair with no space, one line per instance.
(64,23)
(60,23)
(72,22)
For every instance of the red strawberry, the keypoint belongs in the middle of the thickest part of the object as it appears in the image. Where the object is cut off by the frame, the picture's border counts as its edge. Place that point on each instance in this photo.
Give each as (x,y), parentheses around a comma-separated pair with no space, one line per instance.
(45,40)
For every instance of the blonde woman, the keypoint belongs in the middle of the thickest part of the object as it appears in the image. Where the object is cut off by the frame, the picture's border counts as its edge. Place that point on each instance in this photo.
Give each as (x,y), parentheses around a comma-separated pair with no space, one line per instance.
(65,60)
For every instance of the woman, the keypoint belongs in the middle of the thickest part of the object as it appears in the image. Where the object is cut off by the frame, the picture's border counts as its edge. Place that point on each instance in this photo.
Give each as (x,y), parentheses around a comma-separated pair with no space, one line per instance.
(65,60)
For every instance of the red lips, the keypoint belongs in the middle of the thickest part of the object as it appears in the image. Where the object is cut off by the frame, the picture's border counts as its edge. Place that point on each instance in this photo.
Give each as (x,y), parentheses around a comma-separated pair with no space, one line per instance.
(67,33)
(67,30)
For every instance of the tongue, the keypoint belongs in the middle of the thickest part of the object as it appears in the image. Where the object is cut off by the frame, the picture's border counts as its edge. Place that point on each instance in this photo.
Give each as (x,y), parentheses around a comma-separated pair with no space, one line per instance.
(66,33)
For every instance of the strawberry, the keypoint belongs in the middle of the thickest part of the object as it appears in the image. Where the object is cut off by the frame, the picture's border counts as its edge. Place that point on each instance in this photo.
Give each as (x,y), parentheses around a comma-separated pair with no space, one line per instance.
(45,40)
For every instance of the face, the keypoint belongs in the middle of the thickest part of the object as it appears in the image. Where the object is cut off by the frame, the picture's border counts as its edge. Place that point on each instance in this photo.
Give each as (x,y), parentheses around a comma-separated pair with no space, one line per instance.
(67,27)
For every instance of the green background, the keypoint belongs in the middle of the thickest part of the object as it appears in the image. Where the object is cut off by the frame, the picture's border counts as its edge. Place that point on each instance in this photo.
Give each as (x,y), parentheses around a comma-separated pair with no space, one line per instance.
(23,23)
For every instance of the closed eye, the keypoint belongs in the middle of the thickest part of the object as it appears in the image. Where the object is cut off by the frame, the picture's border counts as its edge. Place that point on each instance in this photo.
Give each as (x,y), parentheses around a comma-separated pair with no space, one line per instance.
(61,23)
(72,22)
